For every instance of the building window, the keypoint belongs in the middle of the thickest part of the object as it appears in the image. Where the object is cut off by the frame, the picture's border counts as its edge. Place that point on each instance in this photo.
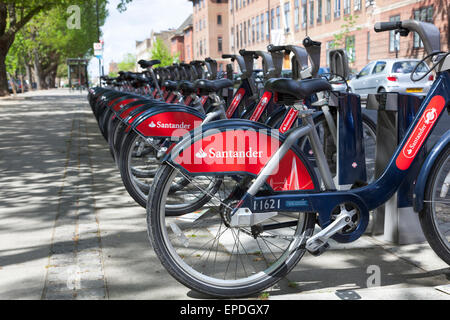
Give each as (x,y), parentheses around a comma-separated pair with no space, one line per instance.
(328,15)
(370,3)
(262,27)
(287,15)
(425,15)
(219,19)
(219,44)
(232,37)
(278,18)
(368,46)
(237,37)
(296,14)
(350,48)
(245,33)
(268,26)
(272,19)
(357,5)
(257,28)
(304,14)
(241,35)
(311,13)
(394,39)
(346,6)
(241,38)
(253,30)
(319,11)
(337,8)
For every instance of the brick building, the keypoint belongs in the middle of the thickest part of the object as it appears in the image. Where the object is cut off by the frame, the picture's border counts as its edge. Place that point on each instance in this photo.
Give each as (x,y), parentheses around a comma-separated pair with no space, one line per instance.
(253,24)
(181,41)
(211,30)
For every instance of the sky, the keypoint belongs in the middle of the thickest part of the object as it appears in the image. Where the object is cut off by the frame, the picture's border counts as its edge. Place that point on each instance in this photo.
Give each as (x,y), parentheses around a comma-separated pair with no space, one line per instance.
(121,30)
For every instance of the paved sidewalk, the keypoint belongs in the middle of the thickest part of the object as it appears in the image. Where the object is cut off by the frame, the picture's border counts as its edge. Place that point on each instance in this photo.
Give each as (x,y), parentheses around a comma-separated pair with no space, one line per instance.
(69,230)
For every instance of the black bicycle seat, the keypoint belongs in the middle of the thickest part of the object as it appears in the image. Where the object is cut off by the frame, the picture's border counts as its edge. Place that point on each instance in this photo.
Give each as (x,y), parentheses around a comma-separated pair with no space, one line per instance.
(297,90)
(186,86)
(148,63)
(209,86)
(170,85)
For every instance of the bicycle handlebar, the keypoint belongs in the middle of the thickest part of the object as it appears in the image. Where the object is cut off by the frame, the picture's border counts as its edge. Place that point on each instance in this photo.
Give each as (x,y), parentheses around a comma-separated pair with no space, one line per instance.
(387,26)
(229,56)
(428,33)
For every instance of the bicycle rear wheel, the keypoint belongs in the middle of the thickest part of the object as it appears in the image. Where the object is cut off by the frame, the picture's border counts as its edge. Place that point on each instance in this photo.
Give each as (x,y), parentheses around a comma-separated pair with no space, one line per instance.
(435,217)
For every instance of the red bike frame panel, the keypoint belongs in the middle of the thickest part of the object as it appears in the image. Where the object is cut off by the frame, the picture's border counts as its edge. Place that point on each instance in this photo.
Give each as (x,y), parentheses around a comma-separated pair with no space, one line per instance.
(289,120)
(245,151)
(265,99)
(168,124)
(420,133)
(235,103)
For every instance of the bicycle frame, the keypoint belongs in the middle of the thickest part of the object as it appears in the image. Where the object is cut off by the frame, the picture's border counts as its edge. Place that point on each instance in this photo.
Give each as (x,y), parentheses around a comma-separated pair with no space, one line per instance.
(373,195)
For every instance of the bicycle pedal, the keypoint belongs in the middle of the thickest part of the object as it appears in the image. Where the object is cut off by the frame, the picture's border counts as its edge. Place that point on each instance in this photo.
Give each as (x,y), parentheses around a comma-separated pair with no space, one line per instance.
(320,250)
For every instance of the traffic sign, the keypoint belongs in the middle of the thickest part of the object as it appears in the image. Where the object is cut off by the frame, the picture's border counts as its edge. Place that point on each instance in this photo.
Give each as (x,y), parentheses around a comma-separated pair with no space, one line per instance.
(98,46)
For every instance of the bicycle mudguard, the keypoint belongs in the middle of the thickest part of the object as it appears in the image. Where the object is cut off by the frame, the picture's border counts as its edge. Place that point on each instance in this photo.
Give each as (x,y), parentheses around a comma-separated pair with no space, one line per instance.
(119,104)
(132,108)
(242,147)
(167,121)
(421,182)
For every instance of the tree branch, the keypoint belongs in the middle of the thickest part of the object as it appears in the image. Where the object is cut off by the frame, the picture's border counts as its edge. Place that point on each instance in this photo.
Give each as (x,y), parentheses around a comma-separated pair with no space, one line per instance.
(14,28)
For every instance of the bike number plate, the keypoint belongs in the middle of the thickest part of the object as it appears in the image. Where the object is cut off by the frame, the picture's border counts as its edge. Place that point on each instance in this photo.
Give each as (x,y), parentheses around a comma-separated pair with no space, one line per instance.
(266,205)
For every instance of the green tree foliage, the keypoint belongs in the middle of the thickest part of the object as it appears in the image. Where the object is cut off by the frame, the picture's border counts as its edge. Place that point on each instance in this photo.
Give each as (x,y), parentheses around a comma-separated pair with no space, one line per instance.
(16,14)
(161,52)
(128,63)
(342,38)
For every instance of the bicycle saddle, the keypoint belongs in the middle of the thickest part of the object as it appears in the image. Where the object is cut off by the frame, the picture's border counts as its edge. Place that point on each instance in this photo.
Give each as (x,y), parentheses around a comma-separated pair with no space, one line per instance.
(170,85)
(148,63)
(210,86)
(297,90)
(187,87)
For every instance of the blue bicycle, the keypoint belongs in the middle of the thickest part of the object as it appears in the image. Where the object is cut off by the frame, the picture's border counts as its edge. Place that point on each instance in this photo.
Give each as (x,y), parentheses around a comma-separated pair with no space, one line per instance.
(268,196)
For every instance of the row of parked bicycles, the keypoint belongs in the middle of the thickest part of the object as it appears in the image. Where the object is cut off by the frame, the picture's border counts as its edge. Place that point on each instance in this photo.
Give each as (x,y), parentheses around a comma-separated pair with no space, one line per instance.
(239,184)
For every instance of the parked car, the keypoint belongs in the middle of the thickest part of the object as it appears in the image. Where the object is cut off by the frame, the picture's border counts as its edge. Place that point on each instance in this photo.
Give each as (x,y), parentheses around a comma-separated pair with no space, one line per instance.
(10,89)
(19,86)
(338,84)
(391,75)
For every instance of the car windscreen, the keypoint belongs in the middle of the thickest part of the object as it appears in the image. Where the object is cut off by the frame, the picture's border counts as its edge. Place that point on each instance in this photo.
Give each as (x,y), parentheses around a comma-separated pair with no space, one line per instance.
(408,67)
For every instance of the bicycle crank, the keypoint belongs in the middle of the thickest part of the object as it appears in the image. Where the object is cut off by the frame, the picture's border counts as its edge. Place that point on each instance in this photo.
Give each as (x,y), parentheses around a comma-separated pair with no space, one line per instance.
(318,243)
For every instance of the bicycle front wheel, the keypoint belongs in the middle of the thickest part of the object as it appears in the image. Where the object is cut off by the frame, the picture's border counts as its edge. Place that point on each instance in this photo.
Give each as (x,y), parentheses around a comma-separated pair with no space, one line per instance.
(204,253)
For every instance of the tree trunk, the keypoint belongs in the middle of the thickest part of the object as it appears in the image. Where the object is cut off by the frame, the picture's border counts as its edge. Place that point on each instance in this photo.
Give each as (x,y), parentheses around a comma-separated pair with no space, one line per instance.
(13,84)
(3,78)
(29,75)
(22,83)
(37,70)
